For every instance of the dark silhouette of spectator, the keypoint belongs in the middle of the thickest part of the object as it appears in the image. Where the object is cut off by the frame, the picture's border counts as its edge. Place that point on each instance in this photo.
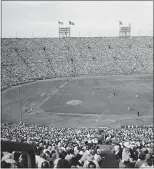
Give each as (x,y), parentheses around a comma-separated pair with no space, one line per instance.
(5,164)
(91,165)
(140,161)
(62,163)
(45,164)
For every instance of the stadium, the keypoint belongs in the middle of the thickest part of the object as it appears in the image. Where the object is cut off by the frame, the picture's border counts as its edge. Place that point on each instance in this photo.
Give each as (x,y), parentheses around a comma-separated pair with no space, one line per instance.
(53,73)
(76,102)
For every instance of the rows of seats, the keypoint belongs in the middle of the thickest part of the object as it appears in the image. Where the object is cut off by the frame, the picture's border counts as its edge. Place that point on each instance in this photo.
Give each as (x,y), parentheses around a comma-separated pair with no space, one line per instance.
(67,147)
(25,60)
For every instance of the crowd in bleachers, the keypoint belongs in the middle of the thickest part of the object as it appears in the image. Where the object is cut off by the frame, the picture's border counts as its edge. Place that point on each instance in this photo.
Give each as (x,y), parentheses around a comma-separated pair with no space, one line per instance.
(25,60)
(80,147)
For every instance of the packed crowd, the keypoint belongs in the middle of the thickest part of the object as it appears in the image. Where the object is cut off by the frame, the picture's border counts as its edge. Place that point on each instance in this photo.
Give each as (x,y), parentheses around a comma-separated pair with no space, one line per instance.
(79,147)
(25,60)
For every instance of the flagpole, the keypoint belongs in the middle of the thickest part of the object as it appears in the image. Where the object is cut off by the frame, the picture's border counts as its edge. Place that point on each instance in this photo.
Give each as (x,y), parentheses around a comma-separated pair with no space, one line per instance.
(59,30)
(69,29)
(119,29)
(129,28)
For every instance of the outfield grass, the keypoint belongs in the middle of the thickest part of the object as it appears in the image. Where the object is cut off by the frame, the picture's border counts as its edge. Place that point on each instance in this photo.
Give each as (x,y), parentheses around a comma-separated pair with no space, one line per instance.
(98,107)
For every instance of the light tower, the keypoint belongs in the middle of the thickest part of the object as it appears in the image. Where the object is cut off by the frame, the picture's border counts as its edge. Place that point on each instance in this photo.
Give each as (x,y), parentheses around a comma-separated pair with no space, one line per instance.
(124,31)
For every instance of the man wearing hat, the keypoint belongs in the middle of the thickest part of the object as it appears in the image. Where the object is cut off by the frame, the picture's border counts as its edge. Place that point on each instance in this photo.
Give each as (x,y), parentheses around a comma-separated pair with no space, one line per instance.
(126,155)
(97,156)
(69,155)
(141,161)
(40,159)
(89,158)
(118,152)
(9,158)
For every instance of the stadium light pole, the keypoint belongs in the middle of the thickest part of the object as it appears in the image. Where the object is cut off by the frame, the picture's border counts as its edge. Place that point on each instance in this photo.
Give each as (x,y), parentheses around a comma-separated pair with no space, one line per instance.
(21,119)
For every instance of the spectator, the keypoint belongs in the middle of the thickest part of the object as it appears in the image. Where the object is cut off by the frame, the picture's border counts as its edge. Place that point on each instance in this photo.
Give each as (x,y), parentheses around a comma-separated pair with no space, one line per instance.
(140,161)
(91,165)
(118,152)
(75,146)
(53,58)
(45,164)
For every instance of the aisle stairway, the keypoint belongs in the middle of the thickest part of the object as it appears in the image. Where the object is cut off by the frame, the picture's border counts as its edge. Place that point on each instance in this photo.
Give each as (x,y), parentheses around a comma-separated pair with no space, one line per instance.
(110,160)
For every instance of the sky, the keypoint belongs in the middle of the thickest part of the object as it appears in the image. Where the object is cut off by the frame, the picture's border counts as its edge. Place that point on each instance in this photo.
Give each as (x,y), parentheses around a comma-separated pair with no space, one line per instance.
(27,19)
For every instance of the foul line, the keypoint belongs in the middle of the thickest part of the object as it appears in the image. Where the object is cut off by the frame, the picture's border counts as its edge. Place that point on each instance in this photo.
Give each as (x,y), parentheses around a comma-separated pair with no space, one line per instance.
(49,96)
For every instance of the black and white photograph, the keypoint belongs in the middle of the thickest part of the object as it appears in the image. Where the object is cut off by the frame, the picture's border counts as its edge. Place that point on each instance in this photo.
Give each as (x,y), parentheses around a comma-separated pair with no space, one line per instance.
(77,84)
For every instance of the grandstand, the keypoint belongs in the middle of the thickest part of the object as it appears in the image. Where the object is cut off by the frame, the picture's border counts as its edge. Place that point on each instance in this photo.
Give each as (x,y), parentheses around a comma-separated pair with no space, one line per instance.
(26,60)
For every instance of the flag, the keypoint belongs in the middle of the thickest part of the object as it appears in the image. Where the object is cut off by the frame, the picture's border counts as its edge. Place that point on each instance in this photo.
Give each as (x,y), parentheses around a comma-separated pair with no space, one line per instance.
(120,22)
(60,23)
(71,23)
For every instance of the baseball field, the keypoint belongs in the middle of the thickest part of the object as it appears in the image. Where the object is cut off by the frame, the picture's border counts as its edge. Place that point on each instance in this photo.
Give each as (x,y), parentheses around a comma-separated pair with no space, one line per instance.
(106,101)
